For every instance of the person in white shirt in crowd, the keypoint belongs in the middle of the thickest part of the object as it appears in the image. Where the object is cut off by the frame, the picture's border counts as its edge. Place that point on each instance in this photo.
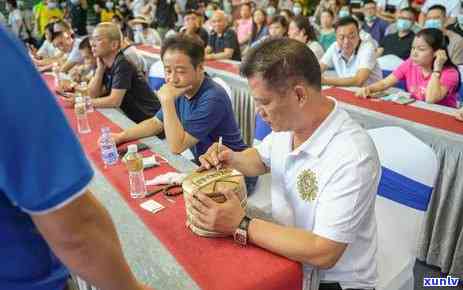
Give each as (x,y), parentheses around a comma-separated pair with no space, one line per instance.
(300,29)
(325,174)
(143,34)
(452,9)
(353,59)
(297,9)
(436,18)
(271,12)
(137,7)
(63,39)
(387,9)
(47,52)
(16,21)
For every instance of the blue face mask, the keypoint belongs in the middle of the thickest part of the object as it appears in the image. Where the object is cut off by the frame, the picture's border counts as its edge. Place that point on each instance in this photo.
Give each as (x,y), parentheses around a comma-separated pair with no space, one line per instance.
(343,13)
(209,13)
(403,24)
(433,23)
(109,5)
(75,2)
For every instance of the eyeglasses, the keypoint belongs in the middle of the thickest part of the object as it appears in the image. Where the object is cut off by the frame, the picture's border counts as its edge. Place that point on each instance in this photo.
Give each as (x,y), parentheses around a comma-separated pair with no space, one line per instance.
(351,36)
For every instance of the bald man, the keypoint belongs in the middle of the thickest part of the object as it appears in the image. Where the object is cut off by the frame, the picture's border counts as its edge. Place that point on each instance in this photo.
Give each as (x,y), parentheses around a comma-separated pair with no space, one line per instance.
(117,83)
(223,42)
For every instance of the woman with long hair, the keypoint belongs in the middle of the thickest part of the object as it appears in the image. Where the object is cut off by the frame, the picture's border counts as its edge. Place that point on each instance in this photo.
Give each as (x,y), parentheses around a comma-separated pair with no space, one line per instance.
(429,74)
(278,27)
(259,26)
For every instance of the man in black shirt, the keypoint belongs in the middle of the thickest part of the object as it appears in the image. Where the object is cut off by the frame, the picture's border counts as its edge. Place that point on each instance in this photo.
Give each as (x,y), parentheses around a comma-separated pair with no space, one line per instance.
(117,83)
(78,13)
(223,42)
(399,43)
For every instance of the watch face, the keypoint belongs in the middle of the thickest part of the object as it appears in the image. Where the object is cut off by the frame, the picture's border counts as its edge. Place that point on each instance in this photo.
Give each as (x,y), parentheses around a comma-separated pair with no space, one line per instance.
(240,237)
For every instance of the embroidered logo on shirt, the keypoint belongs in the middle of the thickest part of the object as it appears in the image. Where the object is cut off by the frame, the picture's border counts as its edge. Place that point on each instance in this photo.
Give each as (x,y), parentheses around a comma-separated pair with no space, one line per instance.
(307,185)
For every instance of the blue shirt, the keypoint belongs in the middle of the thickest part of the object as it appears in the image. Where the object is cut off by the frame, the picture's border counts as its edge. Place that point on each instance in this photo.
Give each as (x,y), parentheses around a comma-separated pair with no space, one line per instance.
(377,30)
(42,166)
(207,116)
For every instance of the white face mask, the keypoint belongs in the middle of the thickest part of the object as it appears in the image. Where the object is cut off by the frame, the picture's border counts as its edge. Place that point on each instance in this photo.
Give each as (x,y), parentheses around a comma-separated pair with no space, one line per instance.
(138,27)
(297,10)
(52,5)
(109,5)
(75,2)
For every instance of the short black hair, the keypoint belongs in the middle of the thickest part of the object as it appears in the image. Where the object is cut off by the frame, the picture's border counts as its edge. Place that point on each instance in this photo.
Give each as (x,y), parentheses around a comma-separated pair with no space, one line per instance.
(85,43)
(191,46)
(344,21)
(438,7)
(281,62)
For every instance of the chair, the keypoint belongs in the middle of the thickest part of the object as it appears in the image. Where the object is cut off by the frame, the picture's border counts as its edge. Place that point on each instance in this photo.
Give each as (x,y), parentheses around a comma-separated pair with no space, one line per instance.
(409,171)
(225,86)
(388,63)
(156,75)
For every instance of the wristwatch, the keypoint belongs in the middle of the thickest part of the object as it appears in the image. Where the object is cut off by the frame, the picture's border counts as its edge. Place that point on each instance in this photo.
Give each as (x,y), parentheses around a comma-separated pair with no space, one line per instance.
(241,233)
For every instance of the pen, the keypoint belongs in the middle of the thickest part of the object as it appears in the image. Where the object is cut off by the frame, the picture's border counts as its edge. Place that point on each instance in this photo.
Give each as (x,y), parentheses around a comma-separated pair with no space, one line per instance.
(219,145)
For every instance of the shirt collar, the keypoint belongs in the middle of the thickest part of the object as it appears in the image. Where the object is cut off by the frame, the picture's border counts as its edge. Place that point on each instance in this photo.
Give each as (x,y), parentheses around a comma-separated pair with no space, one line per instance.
(320,139)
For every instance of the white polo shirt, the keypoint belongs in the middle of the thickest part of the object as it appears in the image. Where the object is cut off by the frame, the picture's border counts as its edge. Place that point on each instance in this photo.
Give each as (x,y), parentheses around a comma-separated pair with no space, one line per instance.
(365,57)
(345,171)
(452,7)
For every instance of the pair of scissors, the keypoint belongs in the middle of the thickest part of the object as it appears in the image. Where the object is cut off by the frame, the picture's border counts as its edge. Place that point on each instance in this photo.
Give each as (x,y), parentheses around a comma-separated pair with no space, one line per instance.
(167,190)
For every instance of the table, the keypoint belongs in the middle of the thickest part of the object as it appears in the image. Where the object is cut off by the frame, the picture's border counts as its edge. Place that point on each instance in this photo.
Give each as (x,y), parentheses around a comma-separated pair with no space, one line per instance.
(159,248)
(441,242)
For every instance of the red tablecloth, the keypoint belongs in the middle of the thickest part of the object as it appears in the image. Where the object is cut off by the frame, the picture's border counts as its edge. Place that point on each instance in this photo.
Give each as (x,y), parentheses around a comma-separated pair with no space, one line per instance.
(217,264)
(414,114)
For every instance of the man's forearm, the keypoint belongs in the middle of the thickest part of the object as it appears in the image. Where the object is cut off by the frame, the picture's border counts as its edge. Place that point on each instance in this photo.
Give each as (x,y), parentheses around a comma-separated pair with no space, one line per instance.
(149,127)
(96,84)
(341,82)
(175,133)
(249,162)
(296,244)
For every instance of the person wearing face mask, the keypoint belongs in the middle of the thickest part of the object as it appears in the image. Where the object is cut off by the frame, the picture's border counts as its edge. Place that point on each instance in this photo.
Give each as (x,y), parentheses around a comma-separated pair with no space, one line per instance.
(373,24)
(297,9)
(399,43)
(210,8)
(452,8)
(435,18)
(50,9)
(78,14)
(108,11)
(457,27)
(143,34)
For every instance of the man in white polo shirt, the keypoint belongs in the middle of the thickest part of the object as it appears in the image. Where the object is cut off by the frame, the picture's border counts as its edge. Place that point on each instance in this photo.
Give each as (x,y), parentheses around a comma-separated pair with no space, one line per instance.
(353,60)
(325,173)
(64,39)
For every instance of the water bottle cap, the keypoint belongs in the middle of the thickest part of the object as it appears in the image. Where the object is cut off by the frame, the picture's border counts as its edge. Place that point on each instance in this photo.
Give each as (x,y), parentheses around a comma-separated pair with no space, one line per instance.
(132,148)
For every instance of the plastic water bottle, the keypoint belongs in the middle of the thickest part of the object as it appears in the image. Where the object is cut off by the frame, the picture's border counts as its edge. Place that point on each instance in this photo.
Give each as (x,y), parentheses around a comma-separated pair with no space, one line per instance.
(134,163)
(56,75)
(81,115)
(108,147)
